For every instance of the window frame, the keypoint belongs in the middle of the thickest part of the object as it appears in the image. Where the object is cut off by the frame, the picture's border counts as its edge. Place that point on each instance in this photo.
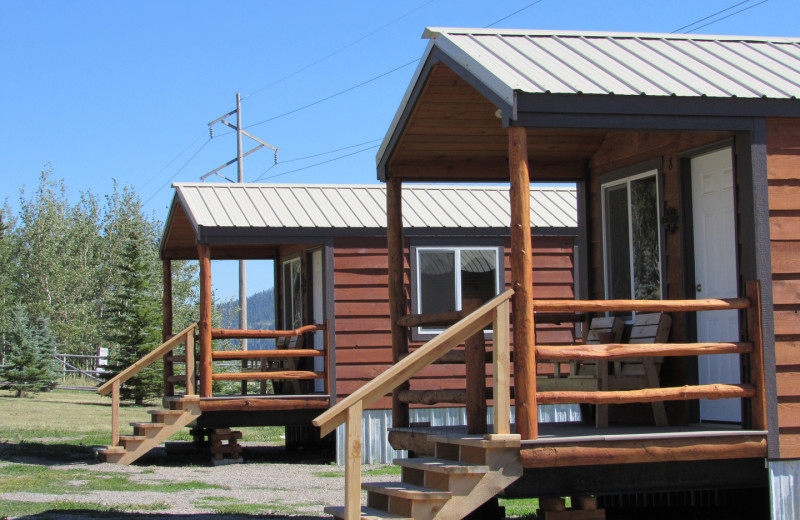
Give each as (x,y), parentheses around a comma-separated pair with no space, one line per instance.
(287,293)
(426,333)
(626,177)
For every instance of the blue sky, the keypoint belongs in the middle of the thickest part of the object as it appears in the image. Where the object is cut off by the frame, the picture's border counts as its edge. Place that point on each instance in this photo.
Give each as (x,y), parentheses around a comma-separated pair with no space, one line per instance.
(124,90)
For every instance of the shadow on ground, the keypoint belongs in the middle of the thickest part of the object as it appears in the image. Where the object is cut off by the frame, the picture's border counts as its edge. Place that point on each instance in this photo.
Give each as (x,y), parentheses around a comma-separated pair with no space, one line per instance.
(76,514)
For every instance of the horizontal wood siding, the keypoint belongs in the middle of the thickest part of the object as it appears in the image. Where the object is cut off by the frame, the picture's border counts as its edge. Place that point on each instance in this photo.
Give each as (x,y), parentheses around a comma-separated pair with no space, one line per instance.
(363,337)
(783,167)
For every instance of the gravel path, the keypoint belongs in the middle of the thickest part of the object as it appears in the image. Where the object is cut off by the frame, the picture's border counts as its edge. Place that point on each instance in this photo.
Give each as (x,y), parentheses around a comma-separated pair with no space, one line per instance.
(283,484)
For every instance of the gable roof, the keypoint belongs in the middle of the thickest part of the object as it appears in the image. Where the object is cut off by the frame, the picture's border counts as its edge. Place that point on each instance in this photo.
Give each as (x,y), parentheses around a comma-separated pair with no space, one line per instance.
(271,213)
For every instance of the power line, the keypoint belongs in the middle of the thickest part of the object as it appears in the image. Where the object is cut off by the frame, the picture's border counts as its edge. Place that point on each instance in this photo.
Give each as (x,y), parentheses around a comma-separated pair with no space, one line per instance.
(177,172)
(512,14)
(148,181)
(334,95)
(321,163)
(712,16)
(320,60)
(315,155)
(732,14)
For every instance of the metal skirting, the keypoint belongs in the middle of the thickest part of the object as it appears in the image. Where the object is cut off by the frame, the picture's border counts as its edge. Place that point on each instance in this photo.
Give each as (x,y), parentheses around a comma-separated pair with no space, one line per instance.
(784,485)
(375,448)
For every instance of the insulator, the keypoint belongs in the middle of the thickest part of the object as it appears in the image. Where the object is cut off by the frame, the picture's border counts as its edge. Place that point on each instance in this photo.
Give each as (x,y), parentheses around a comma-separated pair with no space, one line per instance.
(211,132)
(276,156)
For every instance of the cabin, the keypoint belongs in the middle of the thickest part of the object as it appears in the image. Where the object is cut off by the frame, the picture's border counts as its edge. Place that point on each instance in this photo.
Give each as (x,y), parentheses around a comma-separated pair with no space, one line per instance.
(685,154)
(327,244)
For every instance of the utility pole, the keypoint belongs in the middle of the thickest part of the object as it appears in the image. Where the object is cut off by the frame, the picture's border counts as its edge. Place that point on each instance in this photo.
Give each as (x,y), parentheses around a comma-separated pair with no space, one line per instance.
(240,165)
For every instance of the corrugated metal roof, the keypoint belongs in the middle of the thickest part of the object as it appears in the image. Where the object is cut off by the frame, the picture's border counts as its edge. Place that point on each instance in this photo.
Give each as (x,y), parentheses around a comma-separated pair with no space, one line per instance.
(364,206)
(625,63)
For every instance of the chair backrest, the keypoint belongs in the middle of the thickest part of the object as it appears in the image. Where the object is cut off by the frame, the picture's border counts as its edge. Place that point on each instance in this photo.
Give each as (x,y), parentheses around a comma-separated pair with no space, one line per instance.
(605,330)
(650,328)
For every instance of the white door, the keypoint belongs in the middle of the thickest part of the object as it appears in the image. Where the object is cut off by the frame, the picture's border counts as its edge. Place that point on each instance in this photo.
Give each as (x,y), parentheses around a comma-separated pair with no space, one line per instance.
(715,274)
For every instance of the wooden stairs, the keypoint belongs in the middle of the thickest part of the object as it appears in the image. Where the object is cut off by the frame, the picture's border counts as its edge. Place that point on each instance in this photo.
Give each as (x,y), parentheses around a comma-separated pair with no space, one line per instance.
(180,411)
(467,471)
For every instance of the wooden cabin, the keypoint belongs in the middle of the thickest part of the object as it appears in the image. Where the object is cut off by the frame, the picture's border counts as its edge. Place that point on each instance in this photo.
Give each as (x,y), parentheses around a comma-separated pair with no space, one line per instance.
(685,151)
(328,246)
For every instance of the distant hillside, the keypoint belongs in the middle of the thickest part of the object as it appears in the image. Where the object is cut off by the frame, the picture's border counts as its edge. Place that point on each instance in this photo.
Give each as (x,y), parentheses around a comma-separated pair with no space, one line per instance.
(260,316)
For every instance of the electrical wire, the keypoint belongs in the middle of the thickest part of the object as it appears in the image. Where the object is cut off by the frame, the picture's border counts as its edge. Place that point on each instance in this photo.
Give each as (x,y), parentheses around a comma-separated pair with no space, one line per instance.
(334,95)
(728,16)
(315,155)
(177,172)
(148,181)
(713,15)
(512,14)
(321,163)
(320,60)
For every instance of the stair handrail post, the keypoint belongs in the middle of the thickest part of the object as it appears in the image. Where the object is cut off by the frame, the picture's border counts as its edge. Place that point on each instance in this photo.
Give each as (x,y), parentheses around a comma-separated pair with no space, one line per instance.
(190,363)
(352,468)
(115,413)
(501,364)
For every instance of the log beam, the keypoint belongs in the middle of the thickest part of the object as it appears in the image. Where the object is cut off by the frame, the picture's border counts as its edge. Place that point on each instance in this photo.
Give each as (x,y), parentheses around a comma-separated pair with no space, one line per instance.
(265,354)
(640,305)
(522,283)
(625,350)
(262,376)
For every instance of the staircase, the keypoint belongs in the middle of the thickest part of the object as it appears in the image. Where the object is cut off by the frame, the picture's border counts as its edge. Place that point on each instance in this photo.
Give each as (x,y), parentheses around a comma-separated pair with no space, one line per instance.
(181,411)
(467,471)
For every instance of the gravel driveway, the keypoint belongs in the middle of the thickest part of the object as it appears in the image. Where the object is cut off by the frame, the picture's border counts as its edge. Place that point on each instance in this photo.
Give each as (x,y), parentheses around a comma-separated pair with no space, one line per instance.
(287,485)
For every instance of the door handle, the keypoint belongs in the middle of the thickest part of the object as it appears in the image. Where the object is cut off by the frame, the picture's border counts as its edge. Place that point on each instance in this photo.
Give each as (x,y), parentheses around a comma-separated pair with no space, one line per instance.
(699,288)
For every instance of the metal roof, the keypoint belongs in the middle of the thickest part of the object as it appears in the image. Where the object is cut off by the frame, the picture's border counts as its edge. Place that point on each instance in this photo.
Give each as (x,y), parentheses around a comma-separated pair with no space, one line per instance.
(626,64)
(288,206)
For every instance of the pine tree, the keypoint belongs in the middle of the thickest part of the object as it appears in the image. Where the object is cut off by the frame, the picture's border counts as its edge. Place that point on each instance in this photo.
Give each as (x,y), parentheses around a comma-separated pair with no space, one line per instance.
(29,357)
(134,319)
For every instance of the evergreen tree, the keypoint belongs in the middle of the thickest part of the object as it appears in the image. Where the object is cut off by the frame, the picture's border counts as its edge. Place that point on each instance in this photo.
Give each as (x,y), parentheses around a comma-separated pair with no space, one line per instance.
(29,356)
(133,318)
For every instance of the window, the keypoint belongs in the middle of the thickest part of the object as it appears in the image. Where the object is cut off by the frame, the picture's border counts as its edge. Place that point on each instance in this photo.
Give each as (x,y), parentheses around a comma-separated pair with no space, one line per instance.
(292,294)
(631,237)
(445,276)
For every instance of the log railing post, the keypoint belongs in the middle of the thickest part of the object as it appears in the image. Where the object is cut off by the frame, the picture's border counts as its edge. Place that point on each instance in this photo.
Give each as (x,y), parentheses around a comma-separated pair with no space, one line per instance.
(167,325)
(522,283)
(115,413)
(501,378)
(190,364)
(204,252)
(352,469)
(475,347)
(754,332)
(397,299)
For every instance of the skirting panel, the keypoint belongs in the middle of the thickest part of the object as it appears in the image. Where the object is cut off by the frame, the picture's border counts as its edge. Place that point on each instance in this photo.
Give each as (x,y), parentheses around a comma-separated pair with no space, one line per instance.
(784,486)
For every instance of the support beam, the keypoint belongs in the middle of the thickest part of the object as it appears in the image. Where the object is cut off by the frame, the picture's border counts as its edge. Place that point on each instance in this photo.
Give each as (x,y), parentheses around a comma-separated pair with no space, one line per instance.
(166,323)
(522,283)
(204,253)
(397,299)
(475,348)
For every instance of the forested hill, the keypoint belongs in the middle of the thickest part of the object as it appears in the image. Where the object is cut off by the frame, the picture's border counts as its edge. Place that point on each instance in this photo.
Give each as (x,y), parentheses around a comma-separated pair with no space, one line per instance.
(260,315)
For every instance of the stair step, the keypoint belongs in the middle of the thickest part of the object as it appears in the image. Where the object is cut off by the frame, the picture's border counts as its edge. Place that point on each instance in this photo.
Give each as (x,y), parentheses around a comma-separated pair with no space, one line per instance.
(367,513)
(110,449)
(165,412)
(478,441)
(132,438)
(442,466)
(147,425)
(407,491)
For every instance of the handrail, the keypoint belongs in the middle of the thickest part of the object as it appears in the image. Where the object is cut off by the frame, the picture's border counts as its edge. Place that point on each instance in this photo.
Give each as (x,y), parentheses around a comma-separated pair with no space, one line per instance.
(349,410)
(640,305)
(113,384)
(147,360)
(257,334)
(403,370)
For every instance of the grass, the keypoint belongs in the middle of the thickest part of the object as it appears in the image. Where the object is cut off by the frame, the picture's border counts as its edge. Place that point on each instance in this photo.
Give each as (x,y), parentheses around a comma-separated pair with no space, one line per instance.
(22,508)
(47,480)
(524,508)
(77,420)
(383,470)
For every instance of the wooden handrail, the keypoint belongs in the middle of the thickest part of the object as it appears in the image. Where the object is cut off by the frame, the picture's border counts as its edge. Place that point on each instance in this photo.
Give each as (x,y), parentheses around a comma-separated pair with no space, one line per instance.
(258,334)
(265,354)
(626,350)
(147,360)
(410,365)
(640,305)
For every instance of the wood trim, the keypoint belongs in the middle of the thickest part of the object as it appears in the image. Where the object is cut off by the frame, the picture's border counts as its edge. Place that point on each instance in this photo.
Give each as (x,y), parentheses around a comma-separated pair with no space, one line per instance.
(262,376)
(758,404)
(251,334)
(255,404)
(642,451)
(522,284)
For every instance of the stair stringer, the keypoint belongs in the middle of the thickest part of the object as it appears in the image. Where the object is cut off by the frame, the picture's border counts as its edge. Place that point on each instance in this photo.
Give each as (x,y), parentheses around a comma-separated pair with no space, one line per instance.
(471,491)
(191,411)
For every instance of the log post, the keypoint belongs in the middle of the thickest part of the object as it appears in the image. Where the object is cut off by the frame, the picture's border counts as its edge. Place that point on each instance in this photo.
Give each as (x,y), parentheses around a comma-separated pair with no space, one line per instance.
(115,413)
(352,468)
(475,347)
(166,325)
(191,376)
(204,252)
(397,299)
(501,378)
(522,283)
(758,405)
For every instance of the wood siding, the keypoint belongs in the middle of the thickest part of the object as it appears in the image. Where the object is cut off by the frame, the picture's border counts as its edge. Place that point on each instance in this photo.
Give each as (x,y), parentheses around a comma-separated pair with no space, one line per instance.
(363,337)
(783,167)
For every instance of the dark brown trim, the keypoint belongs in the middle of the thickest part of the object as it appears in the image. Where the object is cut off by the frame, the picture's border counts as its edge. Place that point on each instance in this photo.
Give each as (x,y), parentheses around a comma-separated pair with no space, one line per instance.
(330,315)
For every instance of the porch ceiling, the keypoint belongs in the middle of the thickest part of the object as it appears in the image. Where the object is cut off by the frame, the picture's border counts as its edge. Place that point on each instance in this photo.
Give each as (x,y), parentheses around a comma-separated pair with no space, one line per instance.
(453,128)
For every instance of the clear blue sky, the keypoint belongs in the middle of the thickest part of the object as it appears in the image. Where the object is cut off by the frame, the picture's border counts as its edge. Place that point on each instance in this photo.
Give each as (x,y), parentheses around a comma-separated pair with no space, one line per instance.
(124,90)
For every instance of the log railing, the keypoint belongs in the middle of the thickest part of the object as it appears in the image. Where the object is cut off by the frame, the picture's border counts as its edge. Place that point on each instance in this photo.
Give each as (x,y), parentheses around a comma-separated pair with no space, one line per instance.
(753,347)
(113,385)
(207,356)
(495,312)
